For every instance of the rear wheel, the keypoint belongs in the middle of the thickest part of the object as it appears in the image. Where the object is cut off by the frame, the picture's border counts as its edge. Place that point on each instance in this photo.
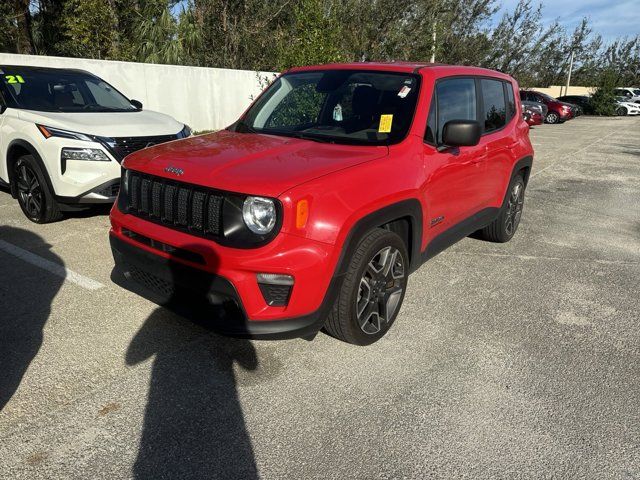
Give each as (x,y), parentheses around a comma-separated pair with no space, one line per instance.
(552,117)
(505,225)
(34,195)
(372,291)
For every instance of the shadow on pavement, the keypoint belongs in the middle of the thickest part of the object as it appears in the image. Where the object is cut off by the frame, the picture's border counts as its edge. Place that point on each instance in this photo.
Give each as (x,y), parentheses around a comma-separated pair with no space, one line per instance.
(194,425)
(26,293)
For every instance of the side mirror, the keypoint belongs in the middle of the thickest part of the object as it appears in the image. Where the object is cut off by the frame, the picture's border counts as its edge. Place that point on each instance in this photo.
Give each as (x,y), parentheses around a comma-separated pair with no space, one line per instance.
(136,103)
(460,133)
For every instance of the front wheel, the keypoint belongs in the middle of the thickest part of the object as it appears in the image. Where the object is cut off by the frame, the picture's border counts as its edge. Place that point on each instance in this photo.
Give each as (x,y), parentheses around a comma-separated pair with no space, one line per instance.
(34,195)
(621,111)
(372,290)
(552,117)
(505,225)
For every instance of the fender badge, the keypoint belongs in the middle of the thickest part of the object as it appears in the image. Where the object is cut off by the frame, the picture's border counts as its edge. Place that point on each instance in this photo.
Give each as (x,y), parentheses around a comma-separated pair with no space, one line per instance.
(176,171)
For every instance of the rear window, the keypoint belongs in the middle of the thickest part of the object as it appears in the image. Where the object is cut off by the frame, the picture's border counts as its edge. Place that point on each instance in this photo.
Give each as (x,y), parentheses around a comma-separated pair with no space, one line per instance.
(494,114)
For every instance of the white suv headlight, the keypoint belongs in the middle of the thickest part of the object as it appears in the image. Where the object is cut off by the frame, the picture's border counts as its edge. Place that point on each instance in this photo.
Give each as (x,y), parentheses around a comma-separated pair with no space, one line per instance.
(259,214)
(87,154)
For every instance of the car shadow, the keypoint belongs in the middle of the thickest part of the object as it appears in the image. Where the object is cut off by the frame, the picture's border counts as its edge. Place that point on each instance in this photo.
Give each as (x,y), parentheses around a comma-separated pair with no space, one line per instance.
(26,294)
(193,424)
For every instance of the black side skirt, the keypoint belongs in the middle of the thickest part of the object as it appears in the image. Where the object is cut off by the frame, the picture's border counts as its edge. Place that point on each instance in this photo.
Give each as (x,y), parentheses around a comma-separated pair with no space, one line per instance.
(459,231)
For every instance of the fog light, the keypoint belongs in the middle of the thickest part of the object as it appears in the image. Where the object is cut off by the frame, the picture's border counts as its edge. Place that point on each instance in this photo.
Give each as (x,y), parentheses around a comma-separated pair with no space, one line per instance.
(275,279)
(275,288)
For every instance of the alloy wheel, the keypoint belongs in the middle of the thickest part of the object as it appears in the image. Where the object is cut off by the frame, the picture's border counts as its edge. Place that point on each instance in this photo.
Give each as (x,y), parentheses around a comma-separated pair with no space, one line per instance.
(380,290)
(552,118)
(30,192)
(514,208)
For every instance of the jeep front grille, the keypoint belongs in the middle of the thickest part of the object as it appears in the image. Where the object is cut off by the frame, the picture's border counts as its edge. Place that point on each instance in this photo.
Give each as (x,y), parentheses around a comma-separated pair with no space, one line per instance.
(178,205)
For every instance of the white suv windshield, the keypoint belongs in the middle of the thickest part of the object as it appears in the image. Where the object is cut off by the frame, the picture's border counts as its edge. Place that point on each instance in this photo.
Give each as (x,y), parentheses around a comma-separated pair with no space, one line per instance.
(338,106)
(53,90)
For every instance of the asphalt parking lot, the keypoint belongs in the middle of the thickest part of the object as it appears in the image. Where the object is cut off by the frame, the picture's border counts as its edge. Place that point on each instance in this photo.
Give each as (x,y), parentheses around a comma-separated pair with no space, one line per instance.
(519,360)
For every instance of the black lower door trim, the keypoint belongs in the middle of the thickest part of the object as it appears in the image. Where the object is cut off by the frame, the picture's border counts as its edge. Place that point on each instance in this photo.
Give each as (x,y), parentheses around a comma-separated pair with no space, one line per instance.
(459,231)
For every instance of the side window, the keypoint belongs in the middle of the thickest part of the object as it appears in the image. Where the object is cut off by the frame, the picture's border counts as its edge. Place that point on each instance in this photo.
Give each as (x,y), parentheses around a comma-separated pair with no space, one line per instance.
(456,99)
(430,134)
(511,101)
(494,113)
(524,95)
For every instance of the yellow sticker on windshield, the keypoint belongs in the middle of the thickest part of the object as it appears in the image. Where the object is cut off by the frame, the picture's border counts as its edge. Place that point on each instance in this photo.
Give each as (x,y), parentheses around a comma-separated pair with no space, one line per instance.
(14,78)
(385,123)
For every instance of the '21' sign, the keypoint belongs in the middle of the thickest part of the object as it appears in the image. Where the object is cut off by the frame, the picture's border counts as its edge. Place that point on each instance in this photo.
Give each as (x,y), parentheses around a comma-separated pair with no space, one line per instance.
(14,78)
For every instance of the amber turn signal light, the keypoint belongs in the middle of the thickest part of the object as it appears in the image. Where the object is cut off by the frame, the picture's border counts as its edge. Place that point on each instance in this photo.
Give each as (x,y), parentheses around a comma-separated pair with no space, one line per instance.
(302,213)
(43,130)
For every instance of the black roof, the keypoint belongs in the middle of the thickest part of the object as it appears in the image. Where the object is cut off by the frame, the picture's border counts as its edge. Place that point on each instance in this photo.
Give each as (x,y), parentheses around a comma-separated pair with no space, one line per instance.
(45,69)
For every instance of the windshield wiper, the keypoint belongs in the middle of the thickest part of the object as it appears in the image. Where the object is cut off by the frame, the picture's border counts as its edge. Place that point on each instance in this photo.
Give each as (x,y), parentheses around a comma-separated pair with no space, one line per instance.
(307,136)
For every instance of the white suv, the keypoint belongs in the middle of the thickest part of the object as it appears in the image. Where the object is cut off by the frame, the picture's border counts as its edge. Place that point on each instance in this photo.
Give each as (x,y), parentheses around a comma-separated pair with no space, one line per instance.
(631,94)
(63,135)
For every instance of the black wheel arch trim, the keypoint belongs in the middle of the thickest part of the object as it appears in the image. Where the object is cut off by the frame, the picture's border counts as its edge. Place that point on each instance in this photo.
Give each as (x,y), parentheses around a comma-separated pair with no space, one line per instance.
(524,162)
(409,209)
(32,151)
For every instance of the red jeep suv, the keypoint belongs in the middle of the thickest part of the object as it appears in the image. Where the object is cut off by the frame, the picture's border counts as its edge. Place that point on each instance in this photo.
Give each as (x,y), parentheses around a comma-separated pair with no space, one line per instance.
(314,207)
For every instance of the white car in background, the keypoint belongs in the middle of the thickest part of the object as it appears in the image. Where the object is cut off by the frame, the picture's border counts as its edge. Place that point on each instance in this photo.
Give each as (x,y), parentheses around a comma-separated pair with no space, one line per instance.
(63,135)
(625,107)
(630,94)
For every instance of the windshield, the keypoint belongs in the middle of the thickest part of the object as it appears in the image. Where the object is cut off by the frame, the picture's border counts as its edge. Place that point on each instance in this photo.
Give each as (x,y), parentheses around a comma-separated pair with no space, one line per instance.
(338,106)
(50,90)
(548,98)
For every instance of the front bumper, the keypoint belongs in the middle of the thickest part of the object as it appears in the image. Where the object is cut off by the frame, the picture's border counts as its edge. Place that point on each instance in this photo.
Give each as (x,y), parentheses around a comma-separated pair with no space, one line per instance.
(218,273)
(105,193)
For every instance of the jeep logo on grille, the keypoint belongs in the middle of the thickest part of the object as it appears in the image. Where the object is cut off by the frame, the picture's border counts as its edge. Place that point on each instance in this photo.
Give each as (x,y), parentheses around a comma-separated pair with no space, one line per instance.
(176,171)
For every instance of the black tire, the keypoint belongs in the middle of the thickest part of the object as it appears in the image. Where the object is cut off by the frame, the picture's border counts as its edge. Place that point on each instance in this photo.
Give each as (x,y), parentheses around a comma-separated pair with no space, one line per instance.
(504,227)
(621,111)
(552,117)
(353,318)
(32,189)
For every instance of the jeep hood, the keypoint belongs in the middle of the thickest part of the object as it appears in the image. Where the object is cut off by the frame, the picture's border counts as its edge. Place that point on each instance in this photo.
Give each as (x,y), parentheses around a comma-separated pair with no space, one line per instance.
(249,163)
(143,123)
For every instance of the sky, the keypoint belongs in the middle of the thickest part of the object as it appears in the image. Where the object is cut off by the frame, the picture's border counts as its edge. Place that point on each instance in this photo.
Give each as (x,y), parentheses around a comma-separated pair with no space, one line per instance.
(610,18)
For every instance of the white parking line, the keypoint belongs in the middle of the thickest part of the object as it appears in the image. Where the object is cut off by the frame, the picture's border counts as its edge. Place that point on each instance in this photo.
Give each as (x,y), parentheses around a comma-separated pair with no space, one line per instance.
(571,154)
(52,267)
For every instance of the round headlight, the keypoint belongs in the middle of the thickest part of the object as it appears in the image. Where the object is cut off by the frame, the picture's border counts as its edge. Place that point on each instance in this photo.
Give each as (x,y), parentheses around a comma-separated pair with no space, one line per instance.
(259,214)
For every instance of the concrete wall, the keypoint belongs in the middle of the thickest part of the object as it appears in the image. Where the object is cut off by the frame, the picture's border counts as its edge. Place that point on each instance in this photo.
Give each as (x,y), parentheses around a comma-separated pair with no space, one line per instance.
(203,98)
(554,90)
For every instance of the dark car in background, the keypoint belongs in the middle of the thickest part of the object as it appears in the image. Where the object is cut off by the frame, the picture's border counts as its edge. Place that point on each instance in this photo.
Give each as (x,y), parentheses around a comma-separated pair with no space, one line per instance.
(582,101)
(558,111)
(534,113)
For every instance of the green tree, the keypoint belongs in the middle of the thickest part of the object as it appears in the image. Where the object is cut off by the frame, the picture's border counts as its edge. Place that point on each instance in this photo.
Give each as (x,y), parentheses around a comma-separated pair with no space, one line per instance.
(314,38)
(89,29)
(8,28)
(603,100)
